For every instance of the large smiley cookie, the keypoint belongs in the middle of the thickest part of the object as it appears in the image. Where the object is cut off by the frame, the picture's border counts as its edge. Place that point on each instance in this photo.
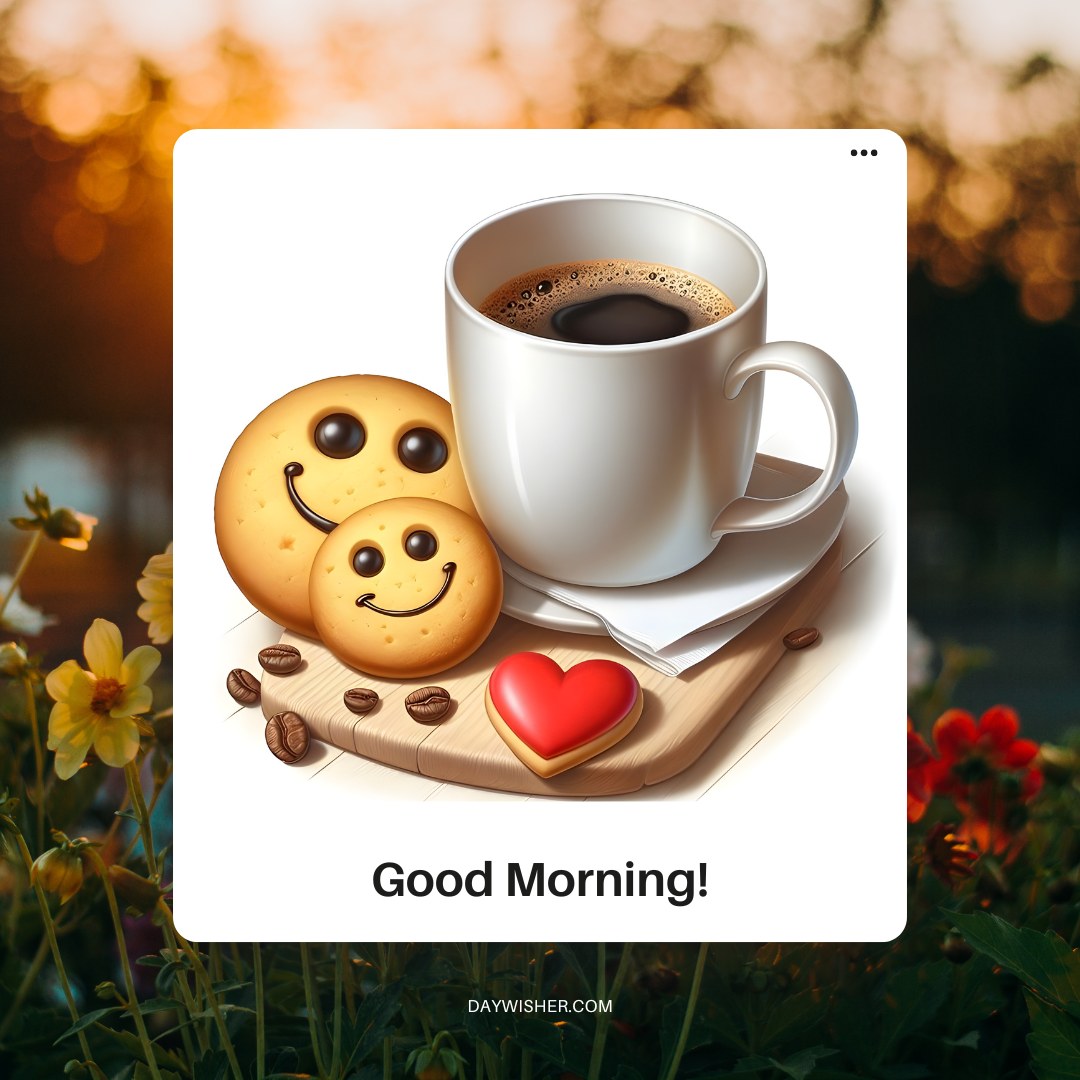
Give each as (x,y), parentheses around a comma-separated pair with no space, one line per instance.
(406,588)
(311,459)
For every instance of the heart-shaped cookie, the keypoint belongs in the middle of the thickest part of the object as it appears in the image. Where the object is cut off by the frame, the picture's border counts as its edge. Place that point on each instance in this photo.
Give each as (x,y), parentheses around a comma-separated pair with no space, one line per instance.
(554,719)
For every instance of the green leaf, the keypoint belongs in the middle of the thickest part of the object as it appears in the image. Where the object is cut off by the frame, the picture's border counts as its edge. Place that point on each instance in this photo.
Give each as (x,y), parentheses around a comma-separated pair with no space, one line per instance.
(1043,962)
(158,1004)
(573,961)
(798,1066)
(1054,1041)
(913,997)
(133,1045)
(86,1020)
(970,1041)
(671,1021)
(374,1021)
(143,1073)
(429,968)
(793,1016)
(213,1065)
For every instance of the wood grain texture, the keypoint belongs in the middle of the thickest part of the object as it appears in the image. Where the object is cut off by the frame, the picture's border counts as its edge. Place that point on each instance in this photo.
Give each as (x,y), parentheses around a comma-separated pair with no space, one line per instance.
(681,716)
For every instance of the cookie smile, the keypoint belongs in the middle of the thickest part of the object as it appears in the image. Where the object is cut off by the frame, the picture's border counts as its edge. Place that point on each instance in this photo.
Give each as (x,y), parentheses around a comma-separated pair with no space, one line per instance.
(365,600)
(292,470)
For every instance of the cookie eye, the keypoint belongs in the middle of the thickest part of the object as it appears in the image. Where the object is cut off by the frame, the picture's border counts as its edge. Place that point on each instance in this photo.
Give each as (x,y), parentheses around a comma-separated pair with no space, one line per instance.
(422,450)
(368,561)
(339,435)
(420,545)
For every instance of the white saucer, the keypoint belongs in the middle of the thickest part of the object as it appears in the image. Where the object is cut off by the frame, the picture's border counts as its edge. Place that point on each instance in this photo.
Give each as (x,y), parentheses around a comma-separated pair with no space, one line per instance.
(745,571)
(534,607)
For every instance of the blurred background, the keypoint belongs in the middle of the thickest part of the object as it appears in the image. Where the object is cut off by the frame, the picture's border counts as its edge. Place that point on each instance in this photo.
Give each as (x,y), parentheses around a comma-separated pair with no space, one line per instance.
(94,93)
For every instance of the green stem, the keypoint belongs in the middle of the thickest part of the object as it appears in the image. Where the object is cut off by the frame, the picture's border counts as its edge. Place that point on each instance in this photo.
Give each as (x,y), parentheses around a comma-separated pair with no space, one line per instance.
(260,1012)
(28,554)
(39,760)
(339,979)
(185,990)
(388,1042)
(603,1019)
(350,986)
(50,933)
(312,1001)
(691,1005)
(134,785)
(28,980)
(537,986)
(237,961)
(142,813)
(125,963)
(201,976)
(217,972)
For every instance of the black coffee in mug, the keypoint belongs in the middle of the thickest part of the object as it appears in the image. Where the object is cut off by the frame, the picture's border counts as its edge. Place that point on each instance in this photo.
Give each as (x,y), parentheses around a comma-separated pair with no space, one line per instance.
(607,302)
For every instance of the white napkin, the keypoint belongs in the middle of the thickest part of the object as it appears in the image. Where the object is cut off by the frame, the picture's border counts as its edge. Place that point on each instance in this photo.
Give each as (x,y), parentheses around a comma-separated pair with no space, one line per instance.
(672,625)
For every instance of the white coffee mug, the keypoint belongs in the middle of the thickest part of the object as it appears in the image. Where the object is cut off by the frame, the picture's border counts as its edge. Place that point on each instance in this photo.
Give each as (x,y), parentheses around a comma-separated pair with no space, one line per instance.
(622,464)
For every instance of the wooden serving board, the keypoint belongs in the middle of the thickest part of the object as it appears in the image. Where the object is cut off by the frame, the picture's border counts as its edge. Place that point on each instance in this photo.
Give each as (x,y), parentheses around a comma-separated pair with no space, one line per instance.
(680,718)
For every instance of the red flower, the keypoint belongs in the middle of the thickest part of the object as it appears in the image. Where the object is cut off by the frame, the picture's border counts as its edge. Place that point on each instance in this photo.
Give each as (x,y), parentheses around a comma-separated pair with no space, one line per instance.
(919,759)
(988,772)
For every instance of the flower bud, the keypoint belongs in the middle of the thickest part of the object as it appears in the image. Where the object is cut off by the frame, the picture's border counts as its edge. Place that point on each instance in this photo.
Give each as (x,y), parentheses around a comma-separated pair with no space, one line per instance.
(1059,764)
(13,660)
(70,528)
(59,870)
(136,892)
(76,1069)
(956,949)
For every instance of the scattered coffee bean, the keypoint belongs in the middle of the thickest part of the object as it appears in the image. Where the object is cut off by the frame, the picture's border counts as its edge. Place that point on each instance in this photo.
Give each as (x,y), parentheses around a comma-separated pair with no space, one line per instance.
(361,700)
(280,659)
(287,736)
(428,705)
(243,686)
(799,639)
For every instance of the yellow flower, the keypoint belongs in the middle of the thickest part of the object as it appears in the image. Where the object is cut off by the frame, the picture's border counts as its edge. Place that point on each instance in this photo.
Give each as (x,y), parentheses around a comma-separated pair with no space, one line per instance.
(59,870)
(97,707)
(156,589)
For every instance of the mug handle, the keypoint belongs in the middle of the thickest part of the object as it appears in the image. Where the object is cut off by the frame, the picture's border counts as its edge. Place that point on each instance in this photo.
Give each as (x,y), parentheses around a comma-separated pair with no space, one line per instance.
(823,373)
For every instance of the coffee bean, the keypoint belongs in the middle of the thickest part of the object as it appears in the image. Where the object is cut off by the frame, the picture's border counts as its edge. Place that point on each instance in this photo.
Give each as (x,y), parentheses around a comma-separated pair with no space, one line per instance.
(243,686)
(428,705)
(287,736)
(361,700)
(801,638)
(280,659)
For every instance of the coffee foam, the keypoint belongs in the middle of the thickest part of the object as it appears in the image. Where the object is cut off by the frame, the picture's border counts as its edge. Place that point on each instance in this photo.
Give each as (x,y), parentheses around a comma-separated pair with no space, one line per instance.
(528,301)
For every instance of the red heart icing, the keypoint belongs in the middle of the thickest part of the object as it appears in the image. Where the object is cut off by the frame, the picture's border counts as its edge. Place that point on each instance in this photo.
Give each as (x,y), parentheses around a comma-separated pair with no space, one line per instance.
(554,711)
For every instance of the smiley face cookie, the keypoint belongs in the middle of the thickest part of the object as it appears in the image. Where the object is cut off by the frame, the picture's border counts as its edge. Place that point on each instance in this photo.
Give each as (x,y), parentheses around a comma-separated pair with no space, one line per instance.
(406,588)
(311,459)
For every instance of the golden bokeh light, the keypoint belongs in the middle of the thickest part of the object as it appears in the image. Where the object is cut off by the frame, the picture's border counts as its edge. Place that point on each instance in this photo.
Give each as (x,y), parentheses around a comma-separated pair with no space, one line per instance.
(73,107)
(103,89)
(79,236)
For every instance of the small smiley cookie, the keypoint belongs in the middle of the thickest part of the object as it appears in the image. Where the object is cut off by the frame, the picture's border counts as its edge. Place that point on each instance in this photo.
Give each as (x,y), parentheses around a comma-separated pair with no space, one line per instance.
(406,588)
(311,459)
